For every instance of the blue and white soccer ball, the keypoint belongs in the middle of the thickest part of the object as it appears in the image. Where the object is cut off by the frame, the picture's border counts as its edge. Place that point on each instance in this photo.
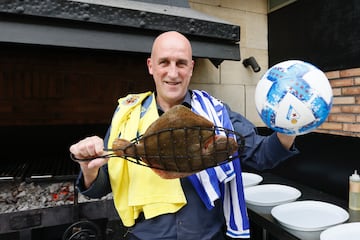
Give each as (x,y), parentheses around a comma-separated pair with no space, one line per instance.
(293,97)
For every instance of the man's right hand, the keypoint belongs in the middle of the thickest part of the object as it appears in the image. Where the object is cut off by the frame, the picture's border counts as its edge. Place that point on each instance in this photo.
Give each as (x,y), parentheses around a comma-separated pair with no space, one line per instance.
(89,147)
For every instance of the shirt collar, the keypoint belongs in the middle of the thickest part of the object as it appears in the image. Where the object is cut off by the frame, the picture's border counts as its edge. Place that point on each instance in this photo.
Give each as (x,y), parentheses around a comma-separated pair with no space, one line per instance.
(186,102)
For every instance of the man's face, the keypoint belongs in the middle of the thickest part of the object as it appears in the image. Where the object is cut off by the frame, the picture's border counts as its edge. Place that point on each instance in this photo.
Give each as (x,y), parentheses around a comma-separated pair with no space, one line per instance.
(171,65)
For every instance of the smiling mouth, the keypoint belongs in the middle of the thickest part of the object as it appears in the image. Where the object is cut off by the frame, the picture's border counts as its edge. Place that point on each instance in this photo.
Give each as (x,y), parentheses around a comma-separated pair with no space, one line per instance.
(172,83)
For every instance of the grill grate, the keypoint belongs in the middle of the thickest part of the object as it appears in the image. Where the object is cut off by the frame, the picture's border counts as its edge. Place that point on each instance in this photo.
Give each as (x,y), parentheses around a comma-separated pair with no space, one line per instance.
(13,170)
(52,169)
(41,153)
(40,170)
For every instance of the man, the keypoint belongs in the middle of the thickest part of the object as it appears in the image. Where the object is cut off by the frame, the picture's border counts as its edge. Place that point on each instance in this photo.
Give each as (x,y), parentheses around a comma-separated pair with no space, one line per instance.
(155,208)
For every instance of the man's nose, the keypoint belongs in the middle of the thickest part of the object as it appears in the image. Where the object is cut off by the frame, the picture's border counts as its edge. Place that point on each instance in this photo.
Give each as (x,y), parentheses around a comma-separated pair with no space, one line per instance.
(173,71)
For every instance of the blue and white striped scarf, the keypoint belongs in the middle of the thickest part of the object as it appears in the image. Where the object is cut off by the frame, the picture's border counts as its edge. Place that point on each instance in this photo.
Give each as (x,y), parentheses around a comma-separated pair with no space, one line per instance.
(224,181)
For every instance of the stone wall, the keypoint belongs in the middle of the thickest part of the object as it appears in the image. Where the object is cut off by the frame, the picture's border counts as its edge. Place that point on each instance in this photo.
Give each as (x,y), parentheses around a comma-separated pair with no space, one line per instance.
(232,82)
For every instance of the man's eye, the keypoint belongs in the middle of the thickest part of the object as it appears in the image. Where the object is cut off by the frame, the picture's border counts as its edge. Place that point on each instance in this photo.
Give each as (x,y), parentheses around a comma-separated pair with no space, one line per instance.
(181,64)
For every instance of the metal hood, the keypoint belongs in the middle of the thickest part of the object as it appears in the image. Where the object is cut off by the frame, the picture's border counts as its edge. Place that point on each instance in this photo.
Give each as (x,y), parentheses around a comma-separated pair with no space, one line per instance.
(116,25)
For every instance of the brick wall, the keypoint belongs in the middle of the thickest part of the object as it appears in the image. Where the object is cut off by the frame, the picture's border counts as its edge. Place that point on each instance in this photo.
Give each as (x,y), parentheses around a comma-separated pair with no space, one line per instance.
(49,86)
(344,118)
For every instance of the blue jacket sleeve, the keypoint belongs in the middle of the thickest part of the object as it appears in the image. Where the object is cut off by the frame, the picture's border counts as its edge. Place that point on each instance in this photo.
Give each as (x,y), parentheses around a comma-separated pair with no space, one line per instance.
(260,152)
(99,188)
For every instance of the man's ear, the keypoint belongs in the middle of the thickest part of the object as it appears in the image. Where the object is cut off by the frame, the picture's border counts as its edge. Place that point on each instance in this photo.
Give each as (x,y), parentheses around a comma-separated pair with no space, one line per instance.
(149,65)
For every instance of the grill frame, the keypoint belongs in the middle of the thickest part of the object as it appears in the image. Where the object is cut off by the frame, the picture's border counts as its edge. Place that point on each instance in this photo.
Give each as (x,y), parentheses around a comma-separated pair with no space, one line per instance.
(22,222)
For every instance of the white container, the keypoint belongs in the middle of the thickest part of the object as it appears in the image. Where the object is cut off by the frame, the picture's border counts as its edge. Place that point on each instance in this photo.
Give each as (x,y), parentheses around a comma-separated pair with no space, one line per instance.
(354,191)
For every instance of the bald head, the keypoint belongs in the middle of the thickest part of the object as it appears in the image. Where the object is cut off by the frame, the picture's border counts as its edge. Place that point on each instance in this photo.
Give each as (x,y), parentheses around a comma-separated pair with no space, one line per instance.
(171,38)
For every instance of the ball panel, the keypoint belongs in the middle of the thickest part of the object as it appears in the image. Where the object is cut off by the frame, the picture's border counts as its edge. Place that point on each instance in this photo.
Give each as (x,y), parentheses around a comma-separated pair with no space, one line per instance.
(292,113)
(261,90)
(319,82)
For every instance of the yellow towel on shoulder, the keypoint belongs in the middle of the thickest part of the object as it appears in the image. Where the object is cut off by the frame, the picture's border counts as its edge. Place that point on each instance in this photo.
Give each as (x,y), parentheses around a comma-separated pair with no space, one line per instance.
(137,188)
